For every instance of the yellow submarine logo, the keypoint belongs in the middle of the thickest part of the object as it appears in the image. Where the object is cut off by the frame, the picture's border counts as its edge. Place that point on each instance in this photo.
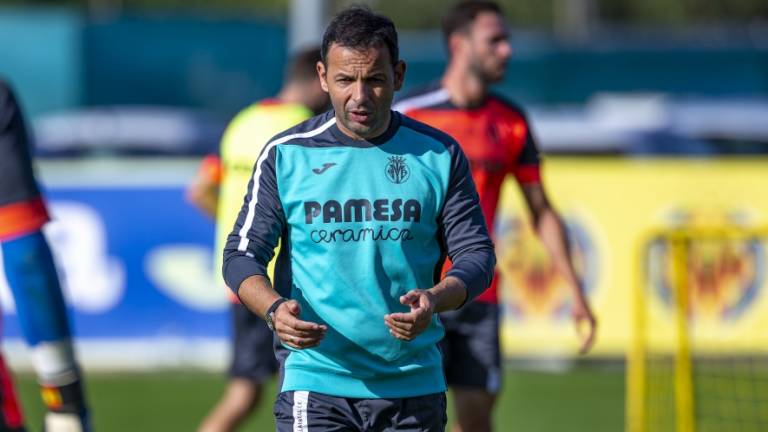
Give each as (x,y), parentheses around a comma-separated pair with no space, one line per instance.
(724,275)
(532,288)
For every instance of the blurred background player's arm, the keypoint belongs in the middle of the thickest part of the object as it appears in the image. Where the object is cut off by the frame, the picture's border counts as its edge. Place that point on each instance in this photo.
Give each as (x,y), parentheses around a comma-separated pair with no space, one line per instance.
(551,231)
(203,191)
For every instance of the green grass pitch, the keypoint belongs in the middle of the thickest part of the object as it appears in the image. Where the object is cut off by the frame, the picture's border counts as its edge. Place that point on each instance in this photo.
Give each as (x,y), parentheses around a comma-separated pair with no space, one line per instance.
(586,398)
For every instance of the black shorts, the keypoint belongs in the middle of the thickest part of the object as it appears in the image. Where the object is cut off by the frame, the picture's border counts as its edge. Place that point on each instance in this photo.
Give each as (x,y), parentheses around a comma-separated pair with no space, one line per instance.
(317,412)
(253,357)
(471,350)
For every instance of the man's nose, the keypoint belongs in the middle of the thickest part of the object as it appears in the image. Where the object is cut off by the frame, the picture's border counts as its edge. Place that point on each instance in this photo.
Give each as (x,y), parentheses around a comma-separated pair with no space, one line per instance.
(360,91)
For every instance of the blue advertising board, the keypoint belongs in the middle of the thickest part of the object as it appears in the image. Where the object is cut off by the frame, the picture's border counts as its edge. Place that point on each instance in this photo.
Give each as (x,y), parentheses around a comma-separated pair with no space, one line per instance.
(134,257)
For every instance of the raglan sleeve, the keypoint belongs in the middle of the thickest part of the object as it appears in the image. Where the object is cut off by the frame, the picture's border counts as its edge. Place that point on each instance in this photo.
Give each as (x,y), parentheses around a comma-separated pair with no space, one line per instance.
(527,169)
(259,225)
(464,232)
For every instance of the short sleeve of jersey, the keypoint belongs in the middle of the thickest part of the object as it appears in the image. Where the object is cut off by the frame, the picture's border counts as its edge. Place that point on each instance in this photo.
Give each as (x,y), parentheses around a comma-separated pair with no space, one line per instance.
(211,169)
(17,181)
(22,209)
(527,170)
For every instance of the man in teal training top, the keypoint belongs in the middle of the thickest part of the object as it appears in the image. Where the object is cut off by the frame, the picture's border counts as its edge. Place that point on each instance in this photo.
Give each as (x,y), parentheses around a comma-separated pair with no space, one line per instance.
(367,204)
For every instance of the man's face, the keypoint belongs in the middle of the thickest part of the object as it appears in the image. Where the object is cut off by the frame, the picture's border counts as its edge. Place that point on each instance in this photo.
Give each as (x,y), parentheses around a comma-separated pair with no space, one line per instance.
(361,84)
(488,47)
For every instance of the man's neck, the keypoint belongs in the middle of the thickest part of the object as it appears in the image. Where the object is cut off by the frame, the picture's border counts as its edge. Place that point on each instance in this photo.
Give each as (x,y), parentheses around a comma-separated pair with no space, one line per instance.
(464,88)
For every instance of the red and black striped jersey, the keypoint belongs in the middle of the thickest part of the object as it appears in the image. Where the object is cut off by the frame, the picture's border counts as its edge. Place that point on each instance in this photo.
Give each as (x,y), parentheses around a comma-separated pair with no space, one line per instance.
(495,136)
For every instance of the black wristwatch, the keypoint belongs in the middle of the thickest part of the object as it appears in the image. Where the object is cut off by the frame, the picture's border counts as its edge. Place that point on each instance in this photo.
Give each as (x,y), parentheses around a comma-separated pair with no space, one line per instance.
(271,310)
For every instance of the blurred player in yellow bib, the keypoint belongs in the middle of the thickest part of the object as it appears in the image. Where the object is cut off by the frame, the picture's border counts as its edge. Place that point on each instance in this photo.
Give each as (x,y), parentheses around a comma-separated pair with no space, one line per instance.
(218,191)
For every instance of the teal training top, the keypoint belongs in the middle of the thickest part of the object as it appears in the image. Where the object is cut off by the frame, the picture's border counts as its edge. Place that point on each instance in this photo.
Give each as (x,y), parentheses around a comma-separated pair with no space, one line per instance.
(361,223)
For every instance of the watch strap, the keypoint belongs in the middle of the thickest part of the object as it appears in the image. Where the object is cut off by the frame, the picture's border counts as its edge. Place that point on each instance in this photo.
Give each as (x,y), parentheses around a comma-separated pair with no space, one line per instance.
(271,310)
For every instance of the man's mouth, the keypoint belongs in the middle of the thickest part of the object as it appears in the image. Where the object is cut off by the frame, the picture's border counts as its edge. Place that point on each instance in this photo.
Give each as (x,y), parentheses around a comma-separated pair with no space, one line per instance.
(360,116)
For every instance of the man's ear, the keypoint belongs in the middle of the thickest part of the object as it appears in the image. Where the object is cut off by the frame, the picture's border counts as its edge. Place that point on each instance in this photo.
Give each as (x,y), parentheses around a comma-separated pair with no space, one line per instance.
(455,42)
(399,74)
(322,74)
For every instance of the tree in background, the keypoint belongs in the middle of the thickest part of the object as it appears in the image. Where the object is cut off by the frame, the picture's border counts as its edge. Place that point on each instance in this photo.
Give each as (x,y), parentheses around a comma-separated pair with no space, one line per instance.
(424,14)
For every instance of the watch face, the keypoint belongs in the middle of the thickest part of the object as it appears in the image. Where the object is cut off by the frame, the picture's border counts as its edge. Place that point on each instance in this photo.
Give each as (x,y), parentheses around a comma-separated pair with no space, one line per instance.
(270,324)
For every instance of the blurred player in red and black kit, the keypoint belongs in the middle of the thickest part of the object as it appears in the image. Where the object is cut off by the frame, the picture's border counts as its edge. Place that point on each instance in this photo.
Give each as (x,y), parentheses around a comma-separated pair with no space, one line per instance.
(496,137)
(32,277)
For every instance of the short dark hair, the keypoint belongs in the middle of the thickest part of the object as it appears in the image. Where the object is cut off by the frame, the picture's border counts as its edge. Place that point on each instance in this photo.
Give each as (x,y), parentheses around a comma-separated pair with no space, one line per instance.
(464,12)
(302,66)
(358,27)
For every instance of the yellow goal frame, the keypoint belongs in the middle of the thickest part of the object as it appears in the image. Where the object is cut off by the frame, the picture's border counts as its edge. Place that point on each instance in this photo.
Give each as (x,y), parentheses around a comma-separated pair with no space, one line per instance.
(679,240)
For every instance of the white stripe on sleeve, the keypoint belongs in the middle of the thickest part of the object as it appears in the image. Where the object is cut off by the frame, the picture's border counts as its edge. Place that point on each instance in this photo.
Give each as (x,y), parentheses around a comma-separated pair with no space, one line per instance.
(243,233)
(427,99)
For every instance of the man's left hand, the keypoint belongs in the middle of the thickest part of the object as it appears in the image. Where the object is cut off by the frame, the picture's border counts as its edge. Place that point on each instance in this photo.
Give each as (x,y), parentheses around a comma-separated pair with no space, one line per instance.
(582,316)
(407,325)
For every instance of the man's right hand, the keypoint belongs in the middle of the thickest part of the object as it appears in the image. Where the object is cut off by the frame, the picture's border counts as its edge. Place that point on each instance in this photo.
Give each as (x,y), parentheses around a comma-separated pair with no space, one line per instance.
(294,332)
